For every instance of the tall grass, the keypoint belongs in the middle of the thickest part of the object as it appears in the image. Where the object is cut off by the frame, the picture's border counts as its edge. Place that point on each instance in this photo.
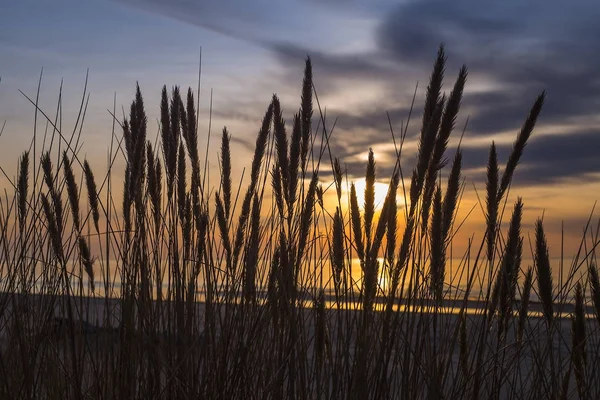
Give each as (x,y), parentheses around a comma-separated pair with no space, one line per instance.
(171,289)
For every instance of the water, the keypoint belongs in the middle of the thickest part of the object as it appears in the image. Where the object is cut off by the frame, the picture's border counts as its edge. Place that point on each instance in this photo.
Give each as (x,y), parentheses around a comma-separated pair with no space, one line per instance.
(317,275)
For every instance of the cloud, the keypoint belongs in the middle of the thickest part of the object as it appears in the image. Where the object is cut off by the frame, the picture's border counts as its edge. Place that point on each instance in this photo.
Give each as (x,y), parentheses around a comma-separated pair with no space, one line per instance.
(259,22)
(513,50)
(522,48)
(547,159)
(236,19)
(520,45)
(341,65)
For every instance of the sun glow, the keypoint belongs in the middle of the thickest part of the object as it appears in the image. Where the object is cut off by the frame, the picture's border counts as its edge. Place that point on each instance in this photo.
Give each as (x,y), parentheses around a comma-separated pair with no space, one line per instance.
(381,190)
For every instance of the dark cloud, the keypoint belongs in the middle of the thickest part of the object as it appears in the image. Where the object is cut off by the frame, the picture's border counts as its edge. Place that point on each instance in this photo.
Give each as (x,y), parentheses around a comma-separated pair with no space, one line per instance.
(523,47)
(558,157)
(332,72)
(246,144)
(501,111)
(547,159)
(355,166)
(349,66)
(368,127)
(526,48)
(482,34)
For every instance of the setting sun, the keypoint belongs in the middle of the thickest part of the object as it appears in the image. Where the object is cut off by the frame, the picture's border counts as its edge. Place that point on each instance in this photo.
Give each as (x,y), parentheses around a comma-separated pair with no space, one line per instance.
(380,193)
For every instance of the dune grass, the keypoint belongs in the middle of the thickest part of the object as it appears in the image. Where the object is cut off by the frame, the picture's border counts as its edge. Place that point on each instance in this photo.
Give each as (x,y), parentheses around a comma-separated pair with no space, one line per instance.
(167,288)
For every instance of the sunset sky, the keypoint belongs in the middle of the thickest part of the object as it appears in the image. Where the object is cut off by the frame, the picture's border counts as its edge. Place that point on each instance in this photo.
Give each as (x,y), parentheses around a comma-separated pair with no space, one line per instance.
(367,57)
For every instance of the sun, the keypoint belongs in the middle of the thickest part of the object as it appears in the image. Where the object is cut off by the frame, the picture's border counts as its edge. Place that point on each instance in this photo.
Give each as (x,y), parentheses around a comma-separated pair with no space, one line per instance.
(381,190)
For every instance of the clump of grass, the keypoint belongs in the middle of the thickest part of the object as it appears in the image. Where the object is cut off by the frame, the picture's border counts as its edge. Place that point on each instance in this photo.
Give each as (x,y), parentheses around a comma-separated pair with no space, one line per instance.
(436,270)
(23,189)
(356,223)
(579,342)
(86,259)
(92,193)
(212,293)
(595,289)
(226,172)
(524,308)
(338,248)
(506,280)
(492,201)
(544,273)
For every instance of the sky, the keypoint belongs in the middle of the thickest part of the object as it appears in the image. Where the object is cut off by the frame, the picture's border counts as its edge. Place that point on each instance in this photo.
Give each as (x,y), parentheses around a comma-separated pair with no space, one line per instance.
(367,55)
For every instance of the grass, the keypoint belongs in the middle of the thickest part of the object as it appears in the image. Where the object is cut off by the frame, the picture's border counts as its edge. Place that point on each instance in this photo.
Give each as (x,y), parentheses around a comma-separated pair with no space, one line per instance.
(168,288)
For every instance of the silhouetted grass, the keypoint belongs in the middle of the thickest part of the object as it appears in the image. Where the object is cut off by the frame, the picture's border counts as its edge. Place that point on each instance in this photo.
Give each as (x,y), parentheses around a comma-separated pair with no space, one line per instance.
(199,292)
